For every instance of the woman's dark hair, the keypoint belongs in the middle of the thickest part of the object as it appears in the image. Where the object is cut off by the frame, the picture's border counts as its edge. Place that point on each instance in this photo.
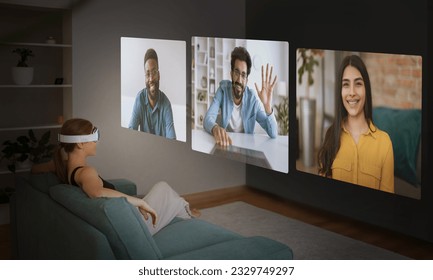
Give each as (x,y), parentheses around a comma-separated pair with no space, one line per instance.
(241,54)
(70,127)
(331,144)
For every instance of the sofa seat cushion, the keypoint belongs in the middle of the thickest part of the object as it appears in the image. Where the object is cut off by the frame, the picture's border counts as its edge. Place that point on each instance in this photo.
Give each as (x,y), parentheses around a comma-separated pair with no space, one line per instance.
(121,222)
(188,235)
(245,248)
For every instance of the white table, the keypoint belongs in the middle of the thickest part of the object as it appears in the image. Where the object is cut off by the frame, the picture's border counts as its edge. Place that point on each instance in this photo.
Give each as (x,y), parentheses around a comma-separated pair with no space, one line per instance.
(276,150)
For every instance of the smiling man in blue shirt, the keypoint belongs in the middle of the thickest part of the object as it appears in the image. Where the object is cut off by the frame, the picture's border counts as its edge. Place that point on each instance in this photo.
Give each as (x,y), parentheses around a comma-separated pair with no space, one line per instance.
(240,106)
(152,109)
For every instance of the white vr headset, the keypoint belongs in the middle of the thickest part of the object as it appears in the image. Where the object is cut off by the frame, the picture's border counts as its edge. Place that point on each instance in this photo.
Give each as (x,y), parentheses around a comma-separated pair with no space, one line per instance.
(94,137)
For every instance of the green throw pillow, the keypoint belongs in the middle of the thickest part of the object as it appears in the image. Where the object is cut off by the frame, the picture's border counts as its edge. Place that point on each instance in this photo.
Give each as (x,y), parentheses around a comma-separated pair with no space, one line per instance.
(404,129)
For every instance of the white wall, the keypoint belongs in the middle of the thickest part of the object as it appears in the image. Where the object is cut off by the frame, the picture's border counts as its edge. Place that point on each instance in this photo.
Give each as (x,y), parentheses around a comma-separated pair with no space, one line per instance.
(144,158)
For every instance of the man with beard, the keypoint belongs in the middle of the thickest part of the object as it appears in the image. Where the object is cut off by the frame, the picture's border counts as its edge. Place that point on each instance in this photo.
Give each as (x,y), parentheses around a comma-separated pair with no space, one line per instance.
(240,106)
(152,109)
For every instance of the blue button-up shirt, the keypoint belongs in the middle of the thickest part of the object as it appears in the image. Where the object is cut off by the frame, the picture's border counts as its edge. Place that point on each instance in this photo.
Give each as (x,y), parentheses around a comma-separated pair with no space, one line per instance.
(251,111)
(158,121)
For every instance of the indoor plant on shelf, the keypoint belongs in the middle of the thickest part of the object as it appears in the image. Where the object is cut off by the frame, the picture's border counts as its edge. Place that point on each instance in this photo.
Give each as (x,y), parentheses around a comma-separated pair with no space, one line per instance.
(308,61)
(27,149)
(22,74)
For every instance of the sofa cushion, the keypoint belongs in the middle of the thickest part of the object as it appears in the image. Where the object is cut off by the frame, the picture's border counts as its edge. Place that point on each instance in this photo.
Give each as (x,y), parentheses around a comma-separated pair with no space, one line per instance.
(247,248)
(121,222)
(404,129)
(189,235)
(44,181)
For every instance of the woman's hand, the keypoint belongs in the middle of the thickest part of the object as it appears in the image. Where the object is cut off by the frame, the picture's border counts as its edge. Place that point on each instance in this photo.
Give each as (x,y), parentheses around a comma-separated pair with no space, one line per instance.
(146,210)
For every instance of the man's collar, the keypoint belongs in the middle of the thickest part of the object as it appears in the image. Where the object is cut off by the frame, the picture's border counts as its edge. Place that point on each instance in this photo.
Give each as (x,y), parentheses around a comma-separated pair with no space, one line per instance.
(146,98)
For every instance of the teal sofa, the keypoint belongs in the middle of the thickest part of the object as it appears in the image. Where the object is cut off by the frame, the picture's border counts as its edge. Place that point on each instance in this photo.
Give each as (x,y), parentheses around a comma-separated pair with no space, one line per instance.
(50,220)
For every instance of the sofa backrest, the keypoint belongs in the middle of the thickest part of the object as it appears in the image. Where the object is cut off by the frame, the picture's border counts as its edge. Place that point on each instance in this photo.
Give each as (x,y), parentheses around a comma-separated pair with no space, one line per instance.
(43,229)
(404,128)
(44,181)
(115,217)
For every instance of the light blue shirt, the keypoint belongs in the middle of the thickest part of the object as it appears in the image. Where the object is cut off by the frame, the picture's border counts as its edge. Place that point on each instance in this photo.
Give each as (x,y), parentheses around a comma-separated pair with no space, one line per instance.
(251,111)
(158,121)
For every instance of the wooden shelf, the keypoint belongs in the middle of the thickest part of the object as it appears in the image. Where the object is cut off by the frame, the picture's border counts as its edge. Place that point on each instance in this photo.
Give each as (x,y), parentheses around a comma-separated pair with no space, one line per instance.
(51,126)
(37,86)
(36,44)
(6,171)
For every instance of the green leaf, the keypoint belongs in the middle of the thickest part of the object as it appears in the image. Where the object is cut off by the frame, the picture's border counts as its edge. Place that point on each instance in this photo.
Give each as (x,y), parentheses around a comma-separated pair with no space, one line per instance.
(23,157)
(32,136)
(45,138)
(300,74)
(23,140)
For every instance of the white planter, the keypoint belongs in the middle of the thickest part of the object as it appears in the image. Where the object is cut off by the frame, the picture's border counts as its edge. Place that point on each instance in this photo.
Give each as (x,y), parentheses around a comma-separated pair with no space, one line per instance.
(22,75)
(23,165)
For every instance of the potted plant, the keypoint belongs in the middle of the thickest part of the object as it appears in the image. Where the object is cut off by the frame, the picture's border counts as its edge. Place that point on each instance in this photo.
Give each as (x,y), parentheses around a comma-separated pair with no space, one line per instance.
(27,149)
(22,74)
(282,116)
(308,61)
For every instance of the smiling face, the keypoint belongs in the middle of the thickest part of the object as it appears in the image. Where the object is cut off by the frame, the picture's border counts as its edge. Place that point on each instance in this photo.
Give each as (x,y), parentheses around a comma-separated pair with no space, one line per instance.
(152,78)
(353,92)
(239,79)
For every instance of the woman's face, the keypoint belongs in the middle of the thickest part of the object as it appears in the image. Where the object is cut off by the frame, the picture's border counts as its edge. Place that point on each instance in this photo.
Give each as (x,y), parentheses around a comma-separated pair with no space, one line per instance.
(353,92)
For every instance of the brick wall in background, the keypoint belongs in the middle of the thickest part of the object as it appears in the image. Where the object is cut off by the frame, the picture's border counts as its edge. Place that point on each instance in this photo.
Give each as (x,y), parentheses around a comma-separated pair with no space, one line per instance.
(396,80)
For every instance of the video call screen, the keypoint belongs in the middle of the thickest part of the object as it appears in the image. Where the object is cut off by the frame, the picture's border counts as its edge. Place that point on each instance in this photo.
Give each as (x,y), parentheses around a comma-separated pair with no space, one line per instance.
(257,126)
(336,141)
(153,92)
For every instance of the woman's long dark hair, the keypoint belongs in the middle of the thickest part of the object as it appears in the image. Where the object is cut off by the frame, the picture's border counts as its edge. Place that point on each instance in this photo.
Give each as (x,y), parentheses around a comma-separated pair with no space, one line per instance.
(70,127)
(331,144)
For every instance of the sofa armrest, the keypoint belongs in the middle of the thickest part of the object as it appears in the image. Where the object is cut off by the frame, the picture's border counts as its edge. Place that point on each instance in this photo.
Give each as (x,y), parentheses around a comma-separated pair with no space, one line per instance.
(120,222)
(125,186)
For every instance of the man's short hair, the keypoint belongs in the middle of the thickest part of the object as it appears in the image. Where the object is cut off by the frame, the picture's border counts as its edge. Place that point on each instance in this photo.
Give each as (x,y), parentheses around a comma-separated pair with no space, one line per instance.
(151,54)
(241,54)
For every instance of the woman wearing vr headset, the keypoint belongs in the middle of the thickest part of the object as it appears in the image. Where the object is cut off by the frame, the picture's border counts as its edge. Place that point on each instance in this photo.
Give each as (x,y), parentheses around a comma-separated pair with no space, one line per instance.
(77,141)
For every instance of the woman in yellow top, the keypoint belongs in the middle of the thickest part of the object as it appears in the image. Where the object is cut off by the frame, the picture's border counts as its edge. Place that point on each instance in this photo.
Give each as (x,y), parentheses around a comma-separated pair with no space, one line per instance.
(354,149)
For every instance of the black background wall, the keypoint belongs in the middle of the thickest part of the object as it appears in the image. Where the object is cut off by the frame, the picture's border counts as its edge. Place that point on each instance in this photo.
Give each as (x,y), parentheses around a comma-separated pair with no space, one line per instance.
(390,26)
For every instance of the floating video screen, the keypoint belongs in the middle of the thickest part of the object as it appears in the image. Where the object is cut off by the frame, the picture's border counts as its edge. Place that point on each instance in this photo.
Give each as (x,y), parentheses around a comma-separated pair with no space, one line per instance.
(240,100)
(359,118)
(153,87)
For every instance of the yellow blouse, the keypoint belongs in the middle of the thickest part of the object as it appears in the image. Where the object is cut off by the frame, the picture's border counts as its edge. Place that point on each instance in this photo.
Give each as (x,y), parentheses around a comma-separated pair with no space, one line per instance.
(369,164)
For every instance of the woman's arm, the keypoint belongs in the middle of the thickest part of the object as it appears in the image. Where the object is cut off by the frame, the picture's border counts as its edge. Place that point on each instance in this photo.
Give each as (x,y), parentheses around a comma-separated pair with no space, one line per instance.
(92,185)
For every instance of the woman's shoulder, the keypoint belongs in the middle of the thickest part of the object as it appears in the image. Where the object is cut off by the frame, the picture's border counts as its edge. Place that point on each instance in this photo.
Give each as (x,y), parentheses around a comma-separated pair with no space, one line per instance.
(86,171)
(381,134)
